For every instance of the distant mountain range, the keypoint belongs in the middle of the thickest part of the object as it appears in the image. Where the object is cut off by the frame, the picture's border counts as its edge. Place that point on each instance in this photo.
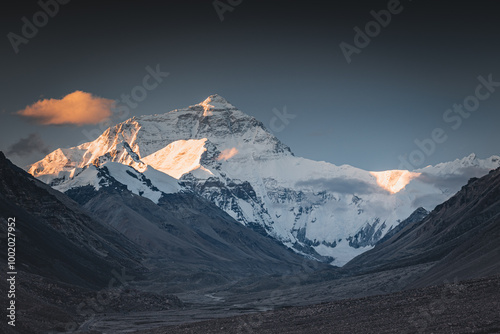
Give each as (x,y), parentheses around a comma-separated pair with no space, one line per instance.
(216,152)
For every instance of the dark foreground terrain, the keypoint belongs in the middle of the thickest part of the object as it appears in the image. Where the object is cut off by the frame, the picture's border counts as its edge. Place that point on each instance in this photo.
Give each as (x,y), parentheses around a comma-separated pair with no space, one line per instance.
(457,307)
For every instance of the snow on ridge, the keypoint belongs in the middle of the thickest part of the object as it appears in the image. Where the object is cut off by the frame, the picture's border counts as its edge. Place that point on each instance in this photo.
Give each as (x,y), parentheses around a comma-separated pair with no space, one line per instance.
(461,166)
(150,183)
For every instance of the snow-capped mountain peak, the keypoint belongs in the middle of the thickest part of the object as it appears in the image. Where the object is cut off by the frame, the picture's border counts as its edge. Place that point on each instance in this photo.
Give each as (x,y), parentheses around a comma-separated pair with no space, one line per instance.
(215,102)
(328,212)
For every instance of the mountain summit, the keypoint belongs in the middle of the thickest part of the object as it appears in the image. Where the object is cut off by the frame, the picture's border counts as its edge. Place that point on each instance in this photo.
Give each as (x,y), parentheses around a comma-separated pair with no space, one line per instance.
(328,212)
(215,102)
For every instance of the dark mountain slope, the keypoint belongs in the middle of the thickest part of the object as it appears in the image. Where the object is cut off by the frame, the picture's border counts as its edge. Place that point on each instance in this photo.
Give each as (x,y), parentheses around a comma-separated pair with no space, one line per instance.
(478,255)
(55,238)
(415,217)
(64,259)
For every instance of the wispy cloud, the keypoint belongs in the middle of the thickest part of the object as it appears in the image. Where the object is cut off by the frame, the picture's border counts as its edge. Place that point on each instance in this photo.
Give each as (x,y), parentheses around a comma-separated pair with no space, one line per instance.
(25,146)
(77,108)
(453,181)
(340,185)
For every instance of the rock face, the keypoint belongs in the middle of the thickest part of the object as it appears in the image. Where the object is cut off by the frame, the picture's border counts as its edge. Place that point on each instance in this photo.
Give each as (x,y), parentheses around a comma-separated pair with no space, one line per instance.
(461,236)
(328,212)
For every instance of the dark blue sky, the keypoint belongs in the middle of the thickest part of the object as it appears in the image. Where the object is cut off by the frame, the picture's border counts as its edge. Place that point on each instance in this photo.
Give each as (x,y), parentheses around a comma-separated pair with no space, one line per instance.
(266,55)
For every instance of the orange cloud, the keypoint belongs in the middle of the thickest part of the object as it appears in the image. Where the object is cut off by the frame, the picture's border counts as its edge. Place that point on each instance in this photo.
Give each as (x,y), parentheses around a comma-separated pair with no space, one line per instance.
(76,108)
(227,153)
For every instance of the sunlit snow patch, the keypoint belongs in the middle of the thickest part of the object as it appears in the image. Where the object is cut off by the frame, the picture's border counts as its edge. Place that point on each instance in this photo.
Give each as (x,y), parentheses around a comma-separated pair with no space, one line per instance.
(394,180)
(178,158)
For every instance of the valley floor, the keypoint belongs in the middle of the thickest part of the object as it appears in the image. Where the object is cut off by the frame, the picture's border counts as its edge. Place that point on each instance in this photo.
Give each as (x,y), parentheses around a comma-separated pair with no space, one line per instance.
(253,297)
(464,307)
